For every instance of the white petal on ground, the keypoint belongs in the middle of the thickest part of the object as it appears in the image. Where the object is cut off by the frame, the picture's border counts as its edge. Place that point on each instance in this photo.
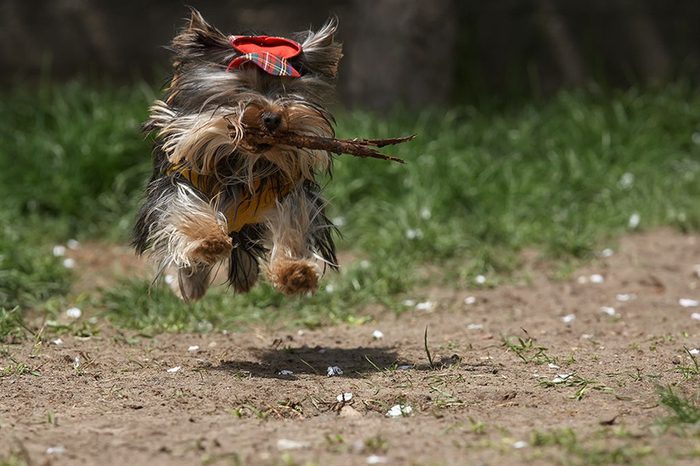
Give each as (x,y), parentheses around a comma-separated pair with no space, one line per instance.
(425,306)
(625,297)
(694,351)
(344,397)
(329,288)
(59,250)
(175,369)
(377,334)
(76,362)
(687,302)
(582,280)
(405,367)
(74,313)
(561,378)
(474,327)
(470,300)
(286,444)
(69,263)
(365,264)
(285,372)
(567,319)
(608,310)
(520,444)
(480,279)
(634,220)
(695,316)
(57,450)
(408,302)
(607,252)
(57,342)
(339,221)
(73,244)
(552,366)
(596,278)
(626,180)
(376,459)
(425,213)
(169,279)
(334,370)
(414,233)
(193,348)
(399,410)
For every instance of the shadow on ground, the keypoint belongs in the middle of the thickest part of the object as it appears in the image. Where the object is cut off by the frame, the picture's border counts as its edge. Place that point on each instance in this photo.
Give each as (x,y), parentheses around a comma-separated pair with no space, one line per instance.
(354,362)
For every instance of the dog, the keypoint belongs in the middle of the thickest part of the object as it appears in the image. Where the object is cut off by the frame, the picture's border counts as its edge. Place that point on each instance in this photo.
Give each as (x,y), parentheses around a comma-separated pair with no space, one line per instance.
(215,199)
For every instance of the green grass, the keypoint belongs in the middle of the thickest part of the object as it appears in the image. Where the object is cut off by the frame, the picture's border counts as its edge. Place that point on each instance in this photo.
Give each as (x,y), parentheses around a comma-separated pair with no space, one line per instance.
(561,176)
(682,411)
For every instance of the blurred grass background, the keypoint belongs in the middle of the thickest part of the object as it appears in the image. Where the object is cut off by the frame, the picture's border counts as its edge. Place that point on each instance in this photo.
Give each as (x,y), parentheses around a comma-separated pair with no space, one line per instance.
(560,175)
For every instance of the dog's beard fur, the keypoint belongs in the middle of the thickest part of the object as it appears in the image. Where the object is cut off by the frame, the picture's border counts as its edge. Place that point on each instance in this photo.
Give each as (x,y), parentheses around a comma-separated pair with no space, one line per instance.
(204,168)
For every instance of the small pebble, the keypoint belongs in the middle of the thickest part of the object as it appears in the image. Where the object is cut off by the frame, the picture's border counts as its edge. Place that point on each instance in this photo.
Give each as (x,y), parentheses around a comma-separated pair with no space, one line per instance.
(634,220)
(399,410)
(377,334)
(470,300)
(334,370)
(285,373)
(694,351)
(520,444)
(552,366)
(596,278)
(376,459)
(695,316)
(175,369)
(405,367)
(425,306)
(624,297)
(285,444)
(69,263)
(57,450)
(687,302)
(608,310)
(193,348)
(567,319)
(74,313)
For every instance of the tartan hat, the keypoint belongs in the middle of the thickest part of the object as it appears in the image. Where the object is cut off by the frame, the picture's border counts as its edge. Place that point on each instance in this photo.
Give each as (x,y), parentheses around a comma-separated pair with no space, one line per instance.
(268,53)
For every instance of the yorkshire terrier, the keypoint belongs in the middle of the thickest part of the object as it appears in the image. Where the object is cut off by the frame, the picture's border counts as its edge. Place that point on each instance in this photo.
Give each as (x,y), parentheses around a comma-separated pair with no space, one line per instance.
(213,198)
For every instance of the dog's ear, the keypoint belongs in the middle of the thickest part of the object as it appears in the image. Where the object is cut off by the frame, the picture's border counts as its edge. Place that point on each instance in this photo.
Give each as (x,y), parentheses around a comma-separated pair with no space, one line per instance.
(321,52)
(199,38)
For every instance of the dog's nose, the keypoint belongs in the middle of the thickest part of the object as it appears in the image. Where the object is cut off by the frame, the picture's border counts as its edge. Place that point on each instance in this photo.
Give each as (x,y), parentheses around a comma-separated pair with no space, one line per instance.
(271,120)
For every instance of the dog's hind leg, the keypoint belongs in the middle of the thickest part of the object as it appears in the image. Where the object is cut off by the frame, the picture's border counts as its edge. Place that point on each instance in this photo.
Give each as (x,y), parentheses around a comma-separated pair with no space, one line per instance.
(301,235)
(180,228)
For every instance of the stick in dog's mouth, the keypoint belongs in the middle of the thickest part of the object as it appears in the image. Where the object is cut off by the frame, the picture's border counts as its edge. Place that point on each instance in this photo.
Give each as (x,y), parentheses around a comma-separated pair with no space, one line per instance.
(260,139)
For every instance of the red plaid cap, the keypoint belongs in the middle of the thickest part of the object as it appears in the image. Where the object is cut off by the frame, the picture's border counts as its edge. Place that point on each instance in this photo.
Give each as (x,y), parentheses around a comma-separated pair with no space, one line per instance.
(268,53)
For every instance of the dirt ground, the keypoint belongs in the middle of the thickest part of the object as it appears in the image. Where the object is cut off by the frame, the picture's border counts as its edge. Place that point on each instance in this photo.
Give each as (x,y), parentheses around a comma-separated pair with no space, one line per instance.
(157,401)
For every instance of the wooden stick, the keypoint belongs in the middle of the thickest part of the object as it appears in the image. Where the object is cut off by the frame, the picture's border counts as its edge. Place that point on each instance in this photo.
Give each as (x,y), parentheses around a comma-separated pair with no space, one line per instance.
(356,147)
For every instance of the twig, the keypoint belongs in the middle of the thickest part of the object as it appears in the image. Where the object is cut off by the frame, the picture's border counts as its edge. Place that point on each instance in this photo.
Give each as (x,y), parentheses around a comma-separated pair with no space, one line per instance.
(356,147)
(427,351)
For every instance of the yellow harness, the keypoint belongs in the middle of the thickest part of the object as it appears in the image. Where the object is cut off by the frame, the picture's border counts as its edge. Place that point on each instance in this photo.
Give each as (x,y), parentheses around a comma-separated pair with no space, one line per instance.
(251,208)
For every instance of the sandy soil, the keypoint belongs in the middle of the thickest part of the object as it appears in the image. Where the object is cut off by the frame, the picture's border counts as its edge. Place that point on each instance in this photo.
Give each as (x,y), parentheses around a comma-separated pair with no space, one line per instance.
(480,404)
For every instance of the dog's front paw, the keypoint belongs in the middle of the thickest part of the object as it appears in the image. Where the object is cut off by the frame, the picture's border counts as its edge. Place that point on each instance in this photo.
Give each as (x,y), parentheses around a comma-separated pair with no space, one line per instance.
(210,249)
(293,277)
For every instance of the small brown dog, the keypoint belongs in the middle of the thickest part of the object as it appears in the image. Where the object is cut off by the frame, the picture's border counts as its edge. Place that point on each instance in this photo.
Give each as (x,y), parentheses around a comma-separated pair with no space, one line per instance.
(215,198)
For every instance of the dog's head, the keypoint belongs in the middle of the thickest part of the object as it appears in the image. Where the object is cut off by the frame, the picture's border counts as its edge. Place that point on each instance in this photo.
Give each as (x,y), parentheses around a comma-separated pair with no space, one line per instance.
(266,83)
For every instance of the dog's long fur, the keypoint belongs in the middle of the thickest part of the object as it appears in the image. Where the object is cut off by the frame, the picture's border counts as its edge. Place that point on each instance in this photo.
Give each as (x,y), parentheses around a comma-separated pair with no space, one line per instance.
(213,198)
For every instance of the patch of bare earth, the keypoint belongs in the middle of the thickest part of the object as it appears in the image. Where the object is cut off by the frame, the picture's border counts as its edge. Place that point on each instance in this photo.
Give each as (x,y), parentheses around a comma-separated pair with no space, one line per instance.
(481,404)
